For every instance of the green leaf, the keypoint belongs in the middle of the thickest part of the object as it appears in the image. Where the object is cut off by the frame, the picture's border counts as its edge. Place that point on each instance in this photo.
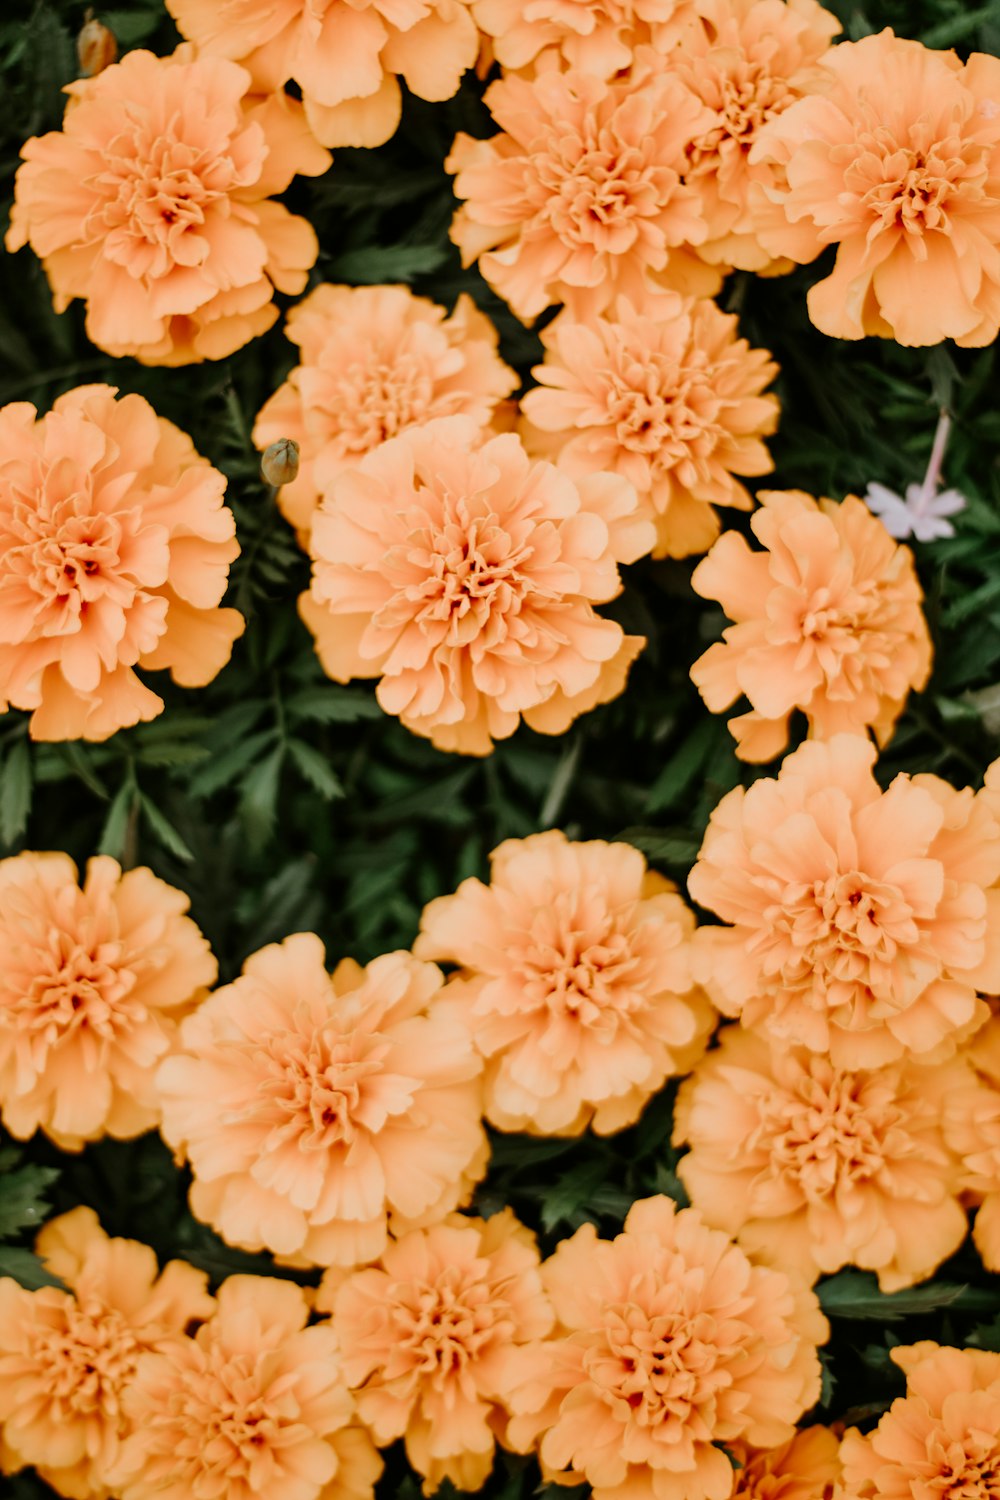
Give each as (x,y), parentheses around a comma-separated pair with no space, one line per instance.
(855,1294)
(387,263)
(332,705)
(666,846)
(22,1201)
(315,769)
(259,802)
(569,1198)
(15,792)
(164,830)
(683,767)
(25,1267)
(225,768)
(112,840)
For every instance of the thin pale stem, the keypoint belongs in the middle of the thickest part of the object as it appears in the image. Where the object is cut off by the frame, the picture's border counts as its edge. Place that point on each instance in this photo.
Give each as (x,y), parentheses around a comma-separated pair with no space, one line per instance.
(932,479)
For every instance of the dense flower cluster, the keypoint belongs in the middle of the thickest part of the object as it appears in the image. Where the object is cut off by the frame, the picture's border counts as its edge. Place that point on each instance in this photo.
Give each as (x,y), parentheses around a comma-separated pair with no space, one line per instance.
(155,204)
(464,576)
(114,554)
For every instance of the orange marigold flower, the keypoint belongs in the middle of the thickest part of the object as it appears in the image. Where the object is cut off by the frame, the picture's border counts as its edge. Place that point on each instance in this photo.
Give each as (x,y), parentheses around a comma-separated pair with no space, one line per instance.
(596,36)
(575,974)
(68,1357)
(813,1167)
(428,1337)
(92,984)
(896,162)
(344,55)
(667,396)
(828,620)
(806,1468)
(375,361)
(669,1342)
(941,1438)
(253,1405)
(317,1111)
(581,198)
(972,1127)
(748,61)
(154,205)
(114,553)
(862,921)
(464,576)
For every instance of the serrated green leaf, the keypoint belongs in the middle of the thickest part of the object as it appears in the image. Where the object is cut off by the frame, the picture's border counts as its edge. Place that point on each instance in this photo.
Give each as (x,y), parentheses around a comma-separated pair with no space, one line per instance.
(855,1294)
(664,846)
(22,1199)
(259,800)
(112,840)
(164,830)
(15,792)
(572,1193)
(378,263)
(332,705)
(224,769)
(315,769)
(25,1267)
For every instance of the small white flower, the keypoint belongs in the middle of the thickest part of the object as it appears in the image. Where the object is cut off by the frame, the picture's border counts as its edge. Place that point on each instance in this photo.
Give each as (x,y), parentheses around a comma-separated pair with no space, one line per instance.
(921,515)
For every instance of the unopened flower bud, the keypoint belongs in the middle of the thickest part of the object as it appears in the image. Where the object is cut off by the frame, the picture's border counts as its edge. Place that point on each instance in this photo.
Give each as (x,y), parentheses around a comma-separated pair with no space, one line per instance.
(279,463)
(96,47)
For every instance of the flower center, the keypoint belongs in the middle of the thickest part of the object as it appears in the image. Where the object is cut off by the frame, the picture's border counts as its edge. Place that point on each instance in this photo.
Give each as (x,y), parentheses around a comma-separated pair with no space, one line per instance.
(446,1323)
(965,1469)
(595,192)
(218,1424)
(89,1353)
(910,186)
(68,987)
(315,1091)
(63,553)
(744,99)
(577,961)
(830,1130)
(659,1365)
(376,401)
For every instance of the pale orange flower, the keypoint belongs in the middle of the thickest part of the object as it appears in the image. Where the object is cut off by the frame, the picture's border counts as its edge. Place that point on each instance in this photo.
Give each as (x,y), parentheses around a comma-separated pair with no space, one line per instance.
(596,36)
(154,204)
(972,1127)
(375,361)
(896,161)
(812,1167)
(941,1439)
(828,621)
(253,1405)
(575,976)
(464,577)
(667,396)
(92,983)
(344,55)
(669,1342)
(862,921)
(806,1468)
(318,1111)
(67,1357)
(581,198)
(114,553)
(748,61)
(428,1337)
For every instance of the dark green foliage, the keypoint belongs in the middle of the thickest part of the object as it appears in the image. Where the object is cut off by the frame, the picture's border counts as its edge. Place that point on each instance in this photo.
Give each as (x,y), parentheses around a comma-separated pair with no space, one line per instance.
(280,801)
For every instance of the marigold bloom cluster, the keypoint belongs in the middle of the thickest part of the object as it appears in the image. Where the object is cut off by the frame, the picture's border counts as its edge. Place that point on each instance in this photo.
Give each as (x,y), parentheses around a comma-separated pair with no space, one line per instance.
(941,1438)
(346,56)
(254,1404)
(575,974)
(813,1167)
(828,621)
(319,1111)
(582,198)
(154,204)
(665,395)
(895,159)
(669,1343)
(429,1339)
(92,984)
(114,554)
(861,923)
(464,576)
(67,1358)
(375,361)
